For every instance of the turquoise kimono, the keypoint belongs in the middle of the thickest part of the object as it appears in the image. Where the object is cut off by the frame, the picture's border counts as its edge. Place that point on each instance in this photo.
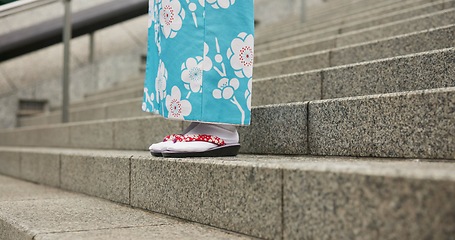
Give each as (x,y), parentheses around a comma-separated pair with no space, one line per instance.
(200,60)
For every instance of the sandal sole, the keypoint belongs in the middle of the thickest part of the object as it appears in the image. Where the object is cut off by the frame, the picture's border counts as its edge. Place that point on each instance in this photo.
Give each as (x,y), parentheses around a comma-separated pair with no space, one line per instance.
(224,151)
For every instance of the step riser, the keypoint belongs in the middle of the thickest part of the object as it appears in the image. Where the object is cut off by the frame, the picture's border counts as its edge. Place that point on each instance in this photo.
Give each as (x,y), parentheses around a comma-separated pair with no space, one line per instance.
(331,130)
(421,23)
(416,125)
(425,41)
(268,198)
(433,70)
(317,23)
(445,18)
(400,45)
(367,22)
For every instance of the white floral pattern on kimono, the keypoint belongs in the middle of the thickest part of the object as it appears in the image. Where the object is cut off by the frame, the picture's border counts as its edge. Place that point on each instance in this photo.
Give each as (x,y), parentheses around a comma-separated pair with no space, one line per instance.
(200,60)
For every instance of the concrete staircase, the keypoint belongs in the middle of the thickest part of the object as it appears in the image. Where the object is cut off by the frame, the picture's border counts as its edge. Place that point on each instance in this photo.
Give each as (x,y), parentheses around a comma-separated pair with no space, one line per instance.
(352,137)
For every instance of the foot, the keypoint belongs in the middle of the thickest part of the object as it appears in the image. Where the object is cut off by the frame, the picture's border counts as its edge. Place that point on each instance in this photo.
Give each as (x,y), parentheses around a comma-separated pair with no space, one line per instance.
(209,140)
(157,148)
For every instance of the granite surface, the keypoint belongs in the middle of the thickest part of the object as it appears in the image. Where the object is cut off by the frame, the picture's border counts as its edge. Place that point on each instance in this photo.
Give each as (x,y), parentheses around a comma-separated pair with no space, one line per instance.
(10,163)
(217,192)
(412,125)
(406,73)
(327,197)
(77,214)
(400,45)
(125,109)
(394,16)
(276,129)
(88,114)
(106,176)
(162,232)
(41,168)
(321,205)
(140,133)
(299,87)
(420,23)
(292,65)
(293,50)
(92,135)
(15,190)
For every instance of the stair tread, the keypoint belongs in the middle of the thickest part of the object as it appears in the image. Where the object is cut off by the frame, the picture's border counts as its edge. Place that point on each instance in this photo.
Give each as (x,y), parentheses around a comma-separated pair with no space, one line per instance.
(35,211)
(435,169)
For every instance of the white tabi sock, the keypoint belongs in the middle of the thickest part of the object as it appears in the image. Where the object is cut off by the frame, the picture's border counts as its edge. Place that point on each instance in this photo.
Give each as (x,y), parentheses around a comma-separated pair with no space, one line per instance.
(159,147)
(226,132)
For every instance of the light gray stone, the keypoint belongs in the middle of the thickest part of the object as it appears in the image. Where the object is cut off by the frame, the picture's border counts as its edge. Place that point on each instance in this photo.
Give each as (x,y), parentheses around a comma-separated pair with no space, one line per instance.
(78,214)
(401,45)
(294,50)
(15,190)
(111,97)
(41,168)
(394,16)
(276,129)
(98,134)
(292,65)
(10,163)
(88,114)
(289,88)
(10,232)
(175,231)
(413,72)
(420,23)
(104,175)
(33,121)
(218,192)
(126,109)
(410,125)
(337,205)
(140,133)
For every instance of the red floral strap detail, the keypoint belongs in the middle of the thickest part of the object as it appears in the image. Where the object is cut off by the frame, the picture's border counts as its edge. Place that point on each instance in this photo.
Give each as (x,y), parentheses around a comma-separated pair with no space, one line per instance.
(173,137)
(203,138)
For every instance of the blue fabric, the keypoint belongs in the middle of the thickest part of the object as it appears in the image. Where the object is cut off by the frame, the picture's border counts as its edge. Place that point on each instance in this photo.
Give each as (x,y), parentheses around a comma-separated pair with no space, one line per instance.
(200,60)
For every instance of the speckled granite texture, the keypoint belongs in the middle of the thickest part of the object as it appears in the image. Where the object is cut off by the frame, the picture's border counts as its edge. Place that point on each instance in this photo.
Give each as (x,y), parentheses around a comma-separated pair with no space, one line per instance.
(292,65)
(38,212)
(420,23)
(101,176)
(299,87)
(411,125)
(216,192)
(400,45)
(276,129)
(321,205)
(264,196)
(412,72)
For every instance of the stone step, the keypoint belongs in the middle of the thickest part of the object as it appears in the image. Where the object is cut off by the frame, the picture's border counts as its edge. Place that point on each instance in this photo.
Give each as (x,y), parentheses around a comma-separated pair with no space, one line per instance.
(108,97)
(330,38)
(118,87)
(30,211)
(426,40)
(295,58)
(434,69)
(271,197)
(380,76)
(119,92)
(360,126)
(361,22)
(314,21)
(405,73)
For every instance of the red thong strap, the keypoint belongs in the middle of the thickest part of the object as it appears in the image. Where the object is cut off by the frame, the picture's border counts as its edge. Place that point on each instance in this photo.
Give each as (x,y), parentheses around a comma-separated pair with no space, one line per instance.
(204,138)
(173,137)
(195,138)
